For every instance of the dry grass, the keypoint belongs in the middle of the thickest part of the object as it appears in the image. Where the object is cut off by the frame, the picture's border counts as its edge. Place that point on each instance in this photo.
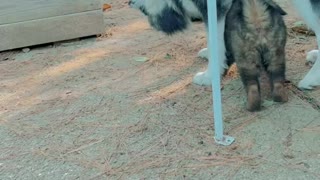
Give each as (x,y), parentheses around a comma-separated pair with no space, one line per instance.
(127,119)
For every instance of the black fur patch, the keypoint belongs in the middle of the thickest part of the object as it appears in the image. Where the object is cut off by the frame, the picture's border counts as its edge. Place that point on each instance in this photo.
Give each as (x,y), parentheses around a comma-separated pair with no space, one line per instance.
(169,21)
(274,6)
(144,11)
(222,8)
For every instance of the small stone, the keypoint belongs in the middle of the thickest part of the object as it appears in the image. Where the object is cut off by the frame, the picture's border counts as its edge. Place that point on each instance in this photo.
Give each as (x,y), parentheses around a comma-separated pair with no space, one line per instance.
(306,165)
(26,50)
(168,56)
(288,156)
(173,103)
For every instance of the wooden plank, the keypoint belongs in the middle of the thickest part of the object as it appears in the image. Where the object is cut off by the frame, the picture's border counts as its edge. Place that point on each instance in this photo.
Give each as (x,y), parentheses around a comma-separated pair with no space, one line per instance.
(51,29)
(13,11)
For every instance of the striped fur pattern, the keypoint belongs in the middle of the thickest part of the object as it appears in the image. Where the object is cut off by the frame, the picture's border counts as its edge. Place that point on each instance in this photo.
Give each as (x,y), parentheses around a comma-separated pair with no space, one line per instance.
(255,36)
(172,16)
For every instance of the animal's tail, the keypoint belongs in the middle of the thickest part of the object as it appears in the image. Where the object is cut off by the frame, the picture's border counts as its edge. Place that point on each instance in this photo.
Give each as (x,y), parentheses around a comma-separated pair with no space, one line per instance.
(257,12)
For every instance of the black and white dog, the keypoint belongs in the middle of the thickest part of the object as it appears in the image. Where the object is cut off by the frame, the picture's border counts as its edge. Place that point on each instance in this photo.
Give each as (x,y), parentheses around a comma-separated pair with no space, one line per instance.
(171,16)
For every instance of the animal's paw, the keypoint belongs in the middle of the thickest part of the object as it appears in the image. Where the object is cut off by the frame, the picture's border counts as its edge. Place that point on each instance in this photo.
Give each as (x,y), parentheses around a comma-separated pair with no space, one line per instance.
(202,79)
(309,83)
(280,93)
(203,53)
(312,79)
(253,99)
(312,57)
(305,85)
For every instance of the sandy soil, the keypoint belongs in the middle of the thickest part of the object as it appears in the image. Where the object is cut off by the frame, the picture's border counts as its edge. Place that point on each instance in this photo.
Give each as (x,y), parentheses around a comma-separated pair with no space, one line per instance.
(123,107)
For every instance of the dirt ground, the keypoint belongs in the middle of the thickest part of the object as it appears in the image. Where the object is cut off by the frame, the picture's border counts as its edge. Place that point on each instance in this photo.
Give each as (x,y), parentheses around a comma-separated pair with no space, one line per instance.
(122,106)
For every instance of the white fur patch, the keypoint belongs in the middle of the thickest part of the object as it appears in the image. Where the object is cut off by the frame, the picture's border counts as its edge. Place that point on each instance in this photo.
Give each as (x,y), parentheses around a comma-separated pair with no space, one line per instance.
(202,79)
(312,78)
(312,56)
(305,10)
(203,53)
(191,8)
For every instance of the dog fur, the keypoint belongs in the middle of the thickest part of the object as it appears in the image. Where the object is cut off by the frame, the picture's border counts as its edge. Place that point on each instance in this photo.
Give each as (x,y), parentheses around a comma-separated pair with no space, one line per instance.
(255,35)
(172,16)
(253,30)
(310,12)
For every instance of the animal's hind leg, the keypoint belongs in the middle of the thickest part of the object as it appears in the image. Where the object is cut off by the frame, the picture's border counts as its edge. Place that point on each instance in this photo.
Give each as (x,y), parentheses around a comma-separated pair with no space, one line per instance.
(276,70)
(312,78)
(250,80)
